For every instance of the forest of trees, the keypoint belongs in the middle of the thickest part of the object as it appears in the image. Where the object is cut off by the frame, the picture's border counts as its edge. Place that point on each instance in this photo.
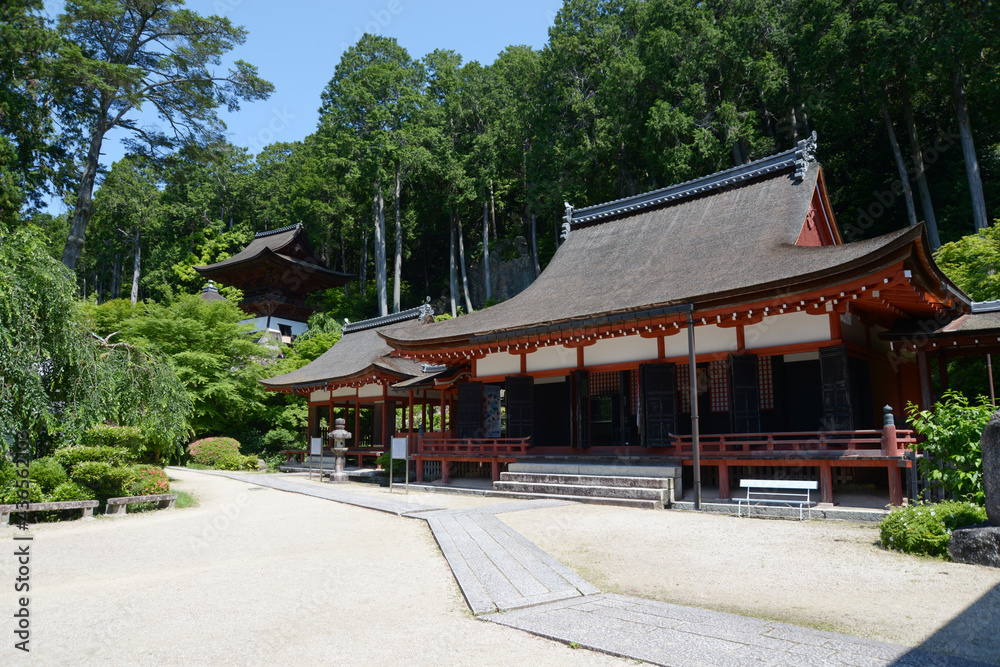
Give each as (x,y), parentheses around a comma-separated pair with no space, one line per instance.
(419,164)
(423,163)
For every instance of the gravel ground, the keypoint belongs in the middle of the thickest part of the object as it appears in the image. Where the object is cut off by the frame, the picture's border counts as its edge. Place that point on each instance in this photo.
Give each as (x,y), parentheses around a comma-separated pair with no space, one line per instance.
(822,574)
(253,576)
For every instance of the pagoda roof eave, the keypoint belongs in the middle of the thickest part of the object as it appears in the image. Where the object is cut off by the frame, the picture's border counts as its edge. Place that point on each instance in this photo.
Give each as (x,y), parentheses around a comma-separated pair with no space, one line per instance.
(312,272)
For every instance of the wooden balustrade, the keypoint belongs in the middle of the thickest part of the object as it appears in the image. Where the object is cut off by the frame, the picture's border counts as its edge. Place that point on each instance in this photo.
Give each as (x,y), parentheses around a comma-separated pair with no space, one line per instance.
(845,442)
(472,446)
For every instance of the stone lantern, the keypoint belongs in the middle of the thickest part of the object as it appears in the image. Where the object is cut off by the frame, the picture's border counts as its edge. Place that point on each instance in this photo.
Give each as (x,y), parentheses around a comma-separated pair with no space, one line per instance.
(339,435)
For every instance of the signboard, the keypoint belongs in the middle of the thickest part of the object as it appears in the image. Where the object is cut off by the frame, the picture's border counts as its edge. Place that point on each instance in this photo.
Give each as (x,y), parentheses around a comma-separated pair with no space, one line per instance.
(399,448)
(316,446)
(491,413)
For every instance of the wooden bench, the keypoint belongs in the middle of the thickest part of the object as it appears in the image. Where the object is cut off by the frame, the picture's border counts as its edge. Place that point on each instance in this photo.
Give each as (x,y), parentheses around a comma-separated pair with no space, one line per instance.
(116,506)
(777,491)
(85,506)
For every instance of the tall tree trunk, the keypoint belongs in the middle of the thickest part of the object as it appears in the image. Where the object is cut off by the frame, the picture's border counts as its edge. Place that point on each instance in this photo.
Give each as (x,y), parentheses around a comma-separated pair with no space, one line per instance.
(135,267)
(486,248)
(343,252)
(919,174)
(116,278)
(397,272)
(900,166)
(493,213)
(534,245)
(461,262)
(84,200)
(364,263)
(452,268)
(380,272)
(969,149)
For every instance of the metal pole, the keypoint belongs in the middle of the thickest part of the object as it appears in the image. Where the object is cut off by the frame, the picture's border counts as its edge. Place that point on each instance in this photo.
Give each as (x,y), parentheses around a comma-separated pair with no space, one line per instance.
(695,443)
(989,374)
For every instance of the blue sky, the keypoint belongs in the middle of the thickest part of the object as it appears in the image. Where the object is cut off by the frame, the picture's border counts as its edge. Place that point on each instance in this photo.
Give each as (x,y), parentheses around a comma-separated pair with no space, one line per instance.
(296,45)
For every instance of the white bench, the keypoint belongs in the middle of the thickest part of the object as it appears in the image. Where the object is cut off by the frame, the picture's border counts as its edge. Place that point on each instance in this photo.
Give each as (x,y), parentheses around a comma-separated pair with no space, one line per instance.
(777,491)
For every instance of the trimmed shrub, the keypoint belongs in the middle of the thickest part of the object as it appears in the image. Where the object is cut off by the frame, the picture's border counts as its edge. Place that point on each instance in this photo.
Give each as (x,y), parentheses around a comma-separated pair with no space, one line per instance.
(102,435)
(925,529)
(12,494)
(210,451)
(149,480)
(105,480)
(114,456)
(237,462)
(47,472)
(72,491)
(398,466)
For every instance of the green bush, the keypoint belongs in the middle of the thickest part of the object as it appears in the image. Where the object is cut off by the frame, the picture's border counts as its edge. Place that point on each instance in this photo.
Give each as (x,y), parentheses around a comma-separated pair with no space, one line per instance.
(72,491)
(104,479)
(398,465)
(115,456)
(237,462)
(102,435)
(12,494)
(149,480)
(952,430)
(926,528)
(210,451)
(47,472)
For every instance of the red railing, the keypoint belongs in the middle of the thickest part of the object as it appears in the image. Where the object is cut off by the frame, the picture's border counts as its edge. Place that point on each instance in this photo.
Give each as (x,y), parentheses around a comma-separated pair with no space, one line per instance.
(846,442)
(437,446)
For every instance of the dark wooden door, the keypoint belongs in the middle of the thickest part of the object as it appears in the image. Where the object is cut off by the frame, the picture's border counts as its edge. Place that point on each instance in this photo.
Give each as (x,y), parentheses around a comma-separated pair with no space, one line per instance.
(519,398)
(657,385)
(469,417)
(581,408)
(836,383)
(744,393)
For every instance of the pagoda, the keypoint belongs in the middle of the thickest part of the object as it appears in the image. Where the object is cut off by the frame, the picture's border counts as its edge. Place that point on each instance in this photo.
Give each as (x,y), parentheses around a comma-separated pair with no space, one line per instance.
(276,272)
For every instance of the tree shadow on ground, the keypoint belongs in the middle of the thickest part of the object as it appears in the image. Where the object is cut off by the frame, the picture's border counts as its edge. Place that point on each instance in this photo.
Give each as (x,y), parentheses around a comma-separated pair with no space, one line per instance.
(971,638)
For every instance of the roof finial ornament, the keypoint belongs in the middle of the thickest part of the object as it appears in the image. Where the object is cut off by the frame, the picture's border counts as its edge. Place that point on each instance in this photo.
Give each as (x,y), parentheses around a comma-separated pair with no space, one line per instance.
(426,315)
(804,154)
(567,221)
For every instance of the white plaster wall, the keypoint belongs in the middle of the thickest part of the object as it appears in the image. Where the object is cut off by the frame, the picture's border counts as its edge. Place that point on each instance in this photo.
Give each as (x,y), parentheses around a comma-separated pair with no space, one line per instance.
(788,329)
(551,358)
(499,363)
(370,391)
(708,338)
(343,392)
(319,396)
(260,324)
(620,350)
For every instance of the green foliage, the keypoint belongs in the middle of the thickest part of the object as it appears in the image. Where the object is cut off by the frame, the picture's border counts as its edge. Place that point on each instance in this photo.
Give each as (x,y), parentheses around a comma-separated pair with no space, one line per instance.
(104,435)
(104,479)
(973,262)
(69,490)
(69,457)
(47,472)
(210,451)
(11,495)
(925,529)
(398,466)
(952,431)
(236,462)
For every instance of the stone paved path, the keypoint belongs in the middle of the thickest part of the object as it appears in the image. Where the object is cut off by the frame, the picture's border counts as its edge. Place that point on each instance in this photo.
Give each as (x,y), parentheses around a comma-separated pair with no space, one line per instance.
(507,579)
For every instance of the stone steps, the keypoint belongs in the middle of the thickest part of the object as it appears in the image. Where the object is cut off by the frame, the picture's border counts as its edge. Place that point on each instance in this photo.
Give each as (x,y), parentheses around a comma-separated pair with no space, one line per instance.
(621,490)
(590,500)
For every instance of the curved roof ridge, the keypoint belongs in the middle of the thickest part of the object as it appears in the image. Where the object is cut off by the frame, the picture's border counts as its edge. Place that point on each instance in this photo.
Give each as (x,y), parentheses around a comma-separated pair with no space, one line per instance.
(375,322)
(799,157)
(273,232)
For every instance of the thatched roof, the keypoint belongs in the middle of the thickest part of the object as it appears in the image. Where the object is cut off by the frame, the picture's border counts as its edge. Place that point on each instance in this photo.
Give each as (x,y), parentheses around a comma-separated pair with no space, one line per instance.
(359,353)
(728,238)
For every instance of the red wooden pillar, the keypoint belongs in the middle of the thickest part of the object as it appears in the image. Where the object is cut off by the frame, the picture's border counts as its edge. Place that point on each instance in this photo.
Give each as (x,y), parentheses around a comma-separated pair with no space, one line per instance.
(445,471)
(410,394)
(423,410)
(895,484)
(826,482)
(723,480)
(420,470)
(357,422)
(442,411)
(496,470)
